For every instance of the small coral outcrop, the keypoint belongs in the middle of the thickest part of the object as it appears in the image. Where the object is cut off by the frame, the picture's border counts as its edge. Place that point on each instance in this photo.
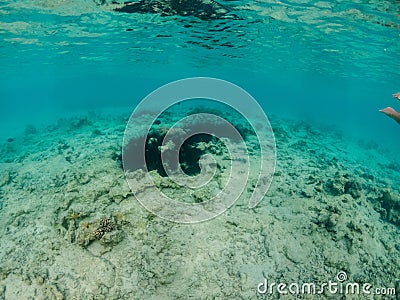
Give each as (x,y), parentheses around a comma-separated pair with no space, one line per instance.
(342,184)
(94,230)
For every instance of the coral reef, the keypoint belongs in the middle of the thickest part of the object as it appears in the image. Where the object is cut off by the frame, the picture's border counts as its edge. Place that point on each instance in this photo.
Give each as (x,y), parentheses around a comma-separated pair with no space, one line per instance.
(72,229)
(89,231)
(342,184)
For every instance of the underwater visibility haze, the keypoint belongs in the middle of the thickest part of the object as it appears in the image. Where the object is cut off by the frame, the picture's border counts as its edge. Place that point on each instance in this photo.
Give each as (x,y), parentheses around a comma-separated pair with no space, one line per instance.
(72,73)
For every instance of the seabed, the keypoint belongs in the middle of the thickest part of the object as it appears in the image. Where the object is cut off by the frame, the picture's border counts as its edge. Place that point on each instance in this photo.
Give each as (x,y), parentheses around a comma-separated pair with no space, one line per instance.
(70,227)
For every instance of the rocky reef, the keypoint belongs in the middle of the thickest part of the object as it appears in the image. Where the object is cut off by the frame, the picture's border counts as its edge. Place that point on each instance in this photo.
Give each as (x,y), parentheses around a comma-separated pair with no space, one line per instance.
(72,229)
(94,230)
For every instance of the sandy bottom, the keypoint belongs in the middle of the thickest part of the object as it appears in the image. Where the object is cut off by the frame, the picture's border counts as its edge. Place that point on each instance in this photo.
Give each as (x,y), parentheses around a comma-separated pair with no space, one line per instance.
(70,228)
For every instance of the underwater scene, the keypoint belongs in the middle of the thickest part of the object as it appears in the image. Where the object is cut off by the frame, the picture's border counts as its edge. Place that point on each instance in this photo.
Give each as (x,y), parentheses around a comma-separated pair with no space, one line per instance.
(199,149)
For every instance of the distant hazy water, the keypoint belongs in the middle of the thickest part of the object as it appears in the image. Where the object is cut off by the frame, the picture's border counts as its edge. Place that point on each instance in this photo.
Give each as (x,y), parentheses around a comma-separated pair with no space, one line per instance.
(334,63)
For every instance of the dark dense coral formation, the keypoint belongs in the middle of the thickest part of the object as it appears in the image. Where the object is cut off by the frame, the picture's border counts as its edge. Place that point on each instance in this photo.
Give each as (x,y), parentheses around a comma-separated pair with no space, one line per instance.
(104,225)
(202,9)
(189,154)
(201,137)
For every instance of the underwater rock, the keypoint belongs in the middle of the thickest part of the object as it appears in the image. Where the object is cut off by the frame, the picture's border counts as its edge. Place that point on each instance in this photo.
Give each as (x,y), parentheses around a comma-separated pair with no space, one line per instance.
(308,192)
(202,9)
(110,239)
(354,189)
(391,204)
(328,220)
(335,186)
(343,184)
(94,230)
(190,152)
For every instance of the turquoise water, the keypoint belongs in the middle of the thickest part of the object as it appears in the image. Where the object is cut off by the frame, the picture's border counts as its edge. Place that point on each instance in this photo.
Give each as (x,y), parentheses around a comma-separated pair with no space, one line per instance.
(333,63)
(70,225)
